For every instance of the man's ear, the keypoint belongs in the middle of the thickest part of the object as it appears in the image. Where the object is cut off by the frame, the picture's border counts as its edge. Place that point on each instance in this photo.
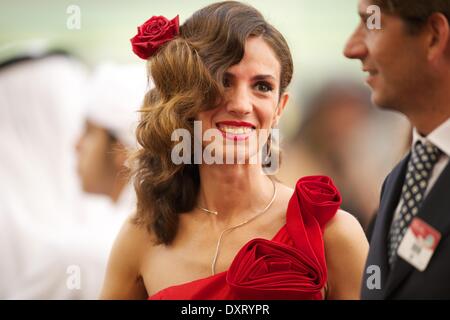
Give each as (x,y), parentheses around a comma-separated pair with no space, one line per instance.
(280,108)
(438,40)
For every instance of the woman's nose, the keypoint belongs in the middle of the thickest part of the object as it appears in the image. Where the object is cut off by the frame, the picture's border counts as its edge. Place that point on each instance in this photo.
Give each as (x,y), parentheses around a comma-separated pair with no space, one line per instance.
(239,100)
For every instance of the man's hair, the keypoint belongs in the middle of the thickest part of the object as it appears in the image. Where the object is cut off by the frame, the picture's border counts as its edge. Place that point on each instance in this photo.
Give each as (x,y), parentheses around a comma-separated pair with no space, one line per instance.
(414,12)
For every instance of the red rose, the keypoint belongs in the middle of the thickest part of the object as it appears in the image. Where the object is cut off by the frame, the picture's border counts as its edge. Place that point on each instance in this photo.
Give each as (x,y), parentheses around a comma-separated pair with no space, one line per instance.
(153,34)
(269,270)
(318,196)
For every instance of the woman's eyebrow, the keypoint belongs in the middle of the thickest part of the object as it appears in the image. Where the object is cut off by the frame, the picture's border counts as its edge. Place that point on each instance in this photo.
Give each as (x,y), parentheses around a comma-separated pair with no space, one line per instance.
(263,77)
(257,77)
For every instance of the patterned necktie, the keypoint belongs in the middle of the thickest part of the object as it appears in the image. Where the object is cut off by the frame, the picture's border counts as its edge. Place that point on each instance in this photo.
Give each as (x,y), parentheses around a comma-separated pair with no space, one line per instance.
(420,165)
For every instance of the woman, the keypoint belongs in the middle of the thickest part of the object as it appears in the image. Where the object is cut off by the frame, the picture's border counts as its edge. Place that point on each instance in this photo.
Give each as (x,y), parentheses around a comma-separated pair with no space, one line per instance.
(226,231)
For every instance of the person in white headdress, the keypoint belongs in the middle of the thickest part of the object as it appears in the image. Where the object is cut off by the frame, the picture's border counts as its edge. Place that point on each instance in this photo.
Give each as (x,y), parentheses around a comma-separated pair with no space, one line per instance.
(112,111)
(54,243)
(40,117)
(113,101)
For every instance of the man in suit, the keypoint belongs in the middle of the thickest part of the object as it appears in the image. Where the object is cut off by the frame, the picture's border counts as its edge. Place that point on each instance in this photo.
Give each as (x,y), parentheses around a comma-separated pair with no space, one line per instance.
(408,66)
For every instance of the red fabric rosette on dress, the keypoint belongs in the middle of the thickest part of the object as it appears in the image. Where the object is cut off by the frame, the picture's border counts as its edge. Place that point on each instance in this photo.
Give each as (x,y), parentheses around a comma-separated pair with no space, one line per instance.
(290,266)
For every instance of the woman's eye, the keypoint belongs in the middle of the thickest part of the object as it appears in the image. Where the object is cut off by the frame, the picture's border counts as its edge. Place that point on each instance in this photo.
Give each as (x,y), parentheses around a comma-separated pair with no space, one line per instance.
(226,82)
(263,87)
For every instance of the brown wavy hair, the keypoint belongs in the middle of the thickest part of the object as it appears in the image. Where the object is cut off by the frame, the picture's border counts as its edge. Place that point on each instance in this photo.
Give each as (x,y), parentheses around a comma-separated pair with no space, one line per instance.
(188,77)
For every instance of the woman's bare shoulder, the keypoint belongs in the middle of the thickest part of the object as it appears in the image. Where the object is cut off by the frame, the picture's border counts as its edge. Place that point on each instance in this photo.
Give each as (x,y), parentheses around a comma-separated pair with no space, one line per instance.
(343,233)
(346,250)
(123,275)
(343,224)
(136,234)
(135,242)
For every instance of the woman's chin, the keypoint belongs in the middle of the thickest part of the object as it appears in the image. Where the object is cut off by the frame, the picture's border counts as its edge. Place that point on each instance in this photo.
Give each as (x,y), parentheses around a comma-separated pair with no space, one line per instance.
(230,154)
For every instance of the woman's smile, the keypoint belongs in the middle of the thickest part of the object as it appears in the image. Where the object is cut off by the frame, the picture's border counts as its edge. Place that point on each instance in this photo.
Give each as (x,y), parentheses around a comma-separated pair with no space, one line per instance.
(235,130)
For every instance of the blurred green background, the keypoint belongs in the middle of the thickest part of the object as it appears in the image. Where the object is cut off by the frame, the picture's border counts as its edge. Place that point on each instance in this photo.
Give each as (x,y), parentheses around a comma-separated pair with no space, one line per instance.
(316,32)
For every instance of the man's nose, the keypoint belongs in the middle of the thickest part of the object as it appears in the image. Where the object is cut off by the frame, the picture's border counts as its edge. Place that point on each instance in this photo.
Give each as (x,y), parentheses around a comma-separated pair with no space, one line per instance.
(355,48)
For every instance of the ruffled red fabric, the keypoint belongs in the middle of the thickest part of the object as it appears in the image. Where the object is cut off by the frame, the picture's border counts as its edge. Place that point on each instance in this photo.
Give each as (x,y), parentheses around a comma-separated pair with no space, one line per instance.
(269,270)
(290,266)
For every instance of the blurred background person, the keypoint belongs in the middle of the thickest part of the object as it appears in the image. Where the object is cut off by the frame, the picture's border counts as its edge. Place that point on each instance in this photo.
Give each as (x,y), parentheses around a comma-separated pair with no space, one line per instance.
(113,100)
(339,136)
(112,103)
(40,116)
(55,239)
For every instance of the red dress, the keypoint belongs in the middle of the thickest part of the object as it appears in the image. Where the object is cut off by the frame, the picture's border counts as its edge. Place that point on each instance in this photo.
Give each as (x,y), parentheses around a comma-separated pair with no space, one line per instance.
(290,266)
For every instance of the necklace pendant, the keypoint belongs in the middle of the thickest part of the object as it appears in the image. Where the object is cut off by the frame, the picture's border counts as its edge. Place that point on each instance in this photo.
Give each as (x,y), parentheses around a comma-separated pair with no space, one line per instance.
(209,211)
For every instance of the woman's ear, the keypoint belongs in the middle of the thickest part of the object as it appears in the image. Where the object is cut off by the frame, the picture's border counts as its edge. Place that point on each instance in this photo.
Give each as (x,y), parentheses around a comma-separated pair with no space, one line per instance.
(280,108)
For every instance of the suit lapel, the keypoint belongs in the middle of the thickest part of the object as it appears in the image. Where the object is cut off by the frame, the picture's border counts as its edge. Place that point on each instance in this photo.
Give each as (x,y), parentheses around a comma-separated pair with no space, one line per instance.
(378,244)
(434,211)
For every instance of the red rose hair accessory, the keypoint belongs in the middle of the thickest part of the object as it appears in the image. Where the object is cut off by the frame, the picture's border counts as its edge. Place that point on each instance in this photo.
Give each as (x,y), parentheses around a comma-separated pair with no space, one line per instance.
(153,34)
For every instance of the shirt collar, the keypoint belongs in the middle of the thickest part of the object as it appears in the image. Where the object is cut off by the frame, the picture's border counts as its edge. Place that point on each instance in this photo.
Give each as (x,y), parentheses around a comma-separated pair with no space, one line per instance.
(440,137)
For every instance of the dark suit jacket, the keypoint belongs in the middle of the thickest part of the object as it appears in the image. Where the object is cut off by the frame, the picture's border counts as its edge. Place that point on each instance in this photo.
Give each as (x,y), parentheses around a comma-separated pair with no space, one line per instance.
(404,281)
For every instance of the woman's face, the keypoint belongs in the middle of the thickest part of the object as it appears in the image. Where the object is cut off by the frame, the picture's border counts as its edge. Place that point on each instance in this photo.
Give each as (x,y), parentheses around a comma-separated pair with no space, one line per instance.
(252,104)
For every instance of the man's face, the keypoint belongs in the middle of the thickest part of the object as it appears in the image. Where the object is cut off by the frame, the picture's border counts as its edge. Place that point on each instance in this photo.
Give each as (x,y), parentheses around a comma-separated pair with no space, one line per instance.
(394,59)
(95,165)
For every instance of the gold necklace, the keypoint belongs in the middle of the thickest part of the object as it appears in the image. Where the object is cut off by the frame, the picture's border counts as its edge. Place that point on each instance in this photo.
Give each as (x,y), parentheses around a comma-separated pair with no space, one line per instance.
(216,255)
